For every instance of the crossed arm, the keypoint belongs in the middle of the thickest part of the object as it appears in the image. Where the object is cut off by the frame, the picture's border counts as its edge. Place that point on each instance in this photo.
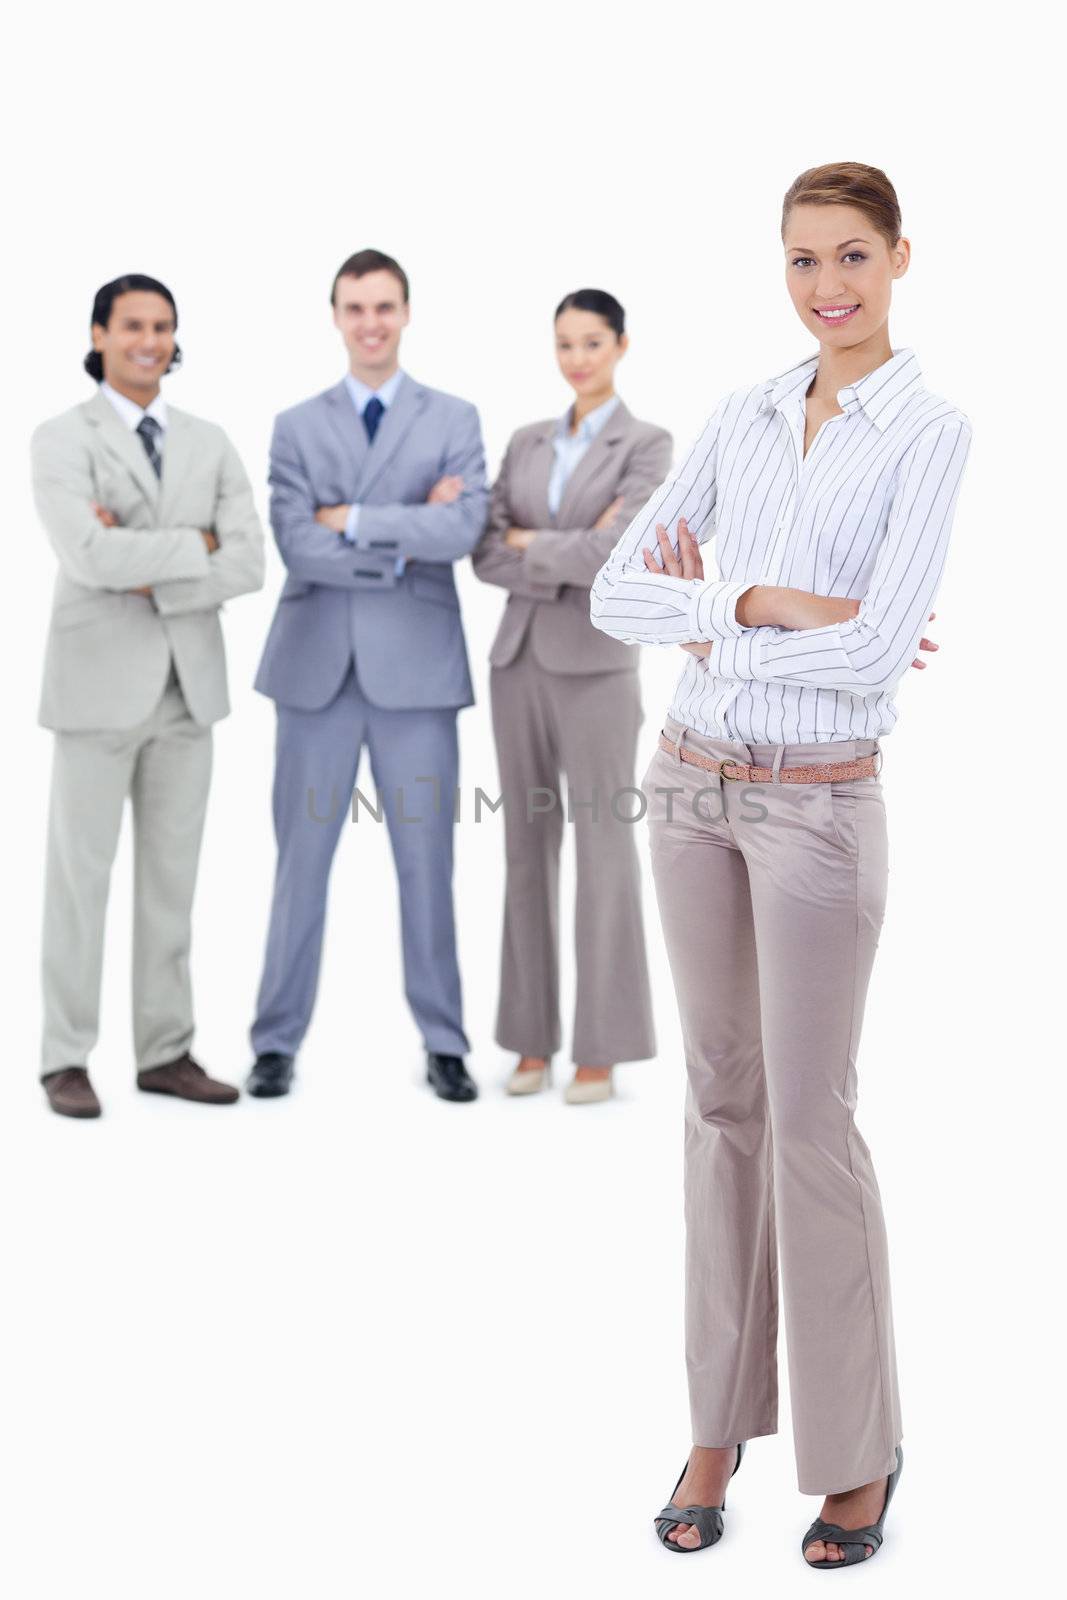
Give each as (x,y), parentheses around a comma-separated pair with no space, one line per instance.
(180,568)
(92,549)
(536,562)
(760,605)
(311,536)
(760,632)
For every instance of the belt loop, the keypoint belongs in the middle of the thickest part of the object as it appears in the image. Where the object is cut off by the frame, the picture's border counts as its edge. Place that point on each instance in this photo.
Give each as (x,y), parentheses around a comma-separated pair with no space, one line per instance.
(776,768)
(880,754)
(678,746)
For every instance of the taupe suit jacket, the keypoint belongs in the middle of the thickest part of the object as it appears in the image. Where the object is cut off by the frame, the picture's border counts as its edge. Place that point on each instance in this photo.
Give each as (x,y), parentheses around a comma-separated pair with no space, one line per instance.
(549,582)
(109,651)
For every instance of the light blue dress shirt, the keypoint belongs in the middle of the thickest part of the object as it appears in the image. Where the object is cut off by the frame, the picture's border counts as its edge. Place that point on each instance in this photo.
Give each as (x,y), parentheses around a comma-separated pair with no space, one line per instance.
(360,394)
(571,447)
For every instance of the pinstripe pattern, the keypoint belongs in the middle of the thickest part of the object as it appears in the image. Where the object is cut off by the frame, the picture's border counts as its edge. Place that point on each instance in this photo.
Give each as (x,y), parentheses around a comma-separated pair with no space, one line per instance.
(866,514)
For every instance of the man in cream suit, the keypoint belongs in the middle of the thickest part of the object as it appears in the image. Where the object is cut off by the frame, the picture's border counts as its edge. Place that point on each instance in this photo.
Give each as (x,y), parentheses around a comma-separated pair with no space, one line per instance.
(377,487)
(151,517)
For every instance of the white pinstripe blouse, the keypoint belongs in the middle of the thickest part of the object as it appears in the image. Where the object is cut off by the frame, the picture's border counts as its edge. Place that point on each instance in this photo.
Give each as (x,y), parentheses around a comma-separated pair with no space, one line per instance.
(866,514)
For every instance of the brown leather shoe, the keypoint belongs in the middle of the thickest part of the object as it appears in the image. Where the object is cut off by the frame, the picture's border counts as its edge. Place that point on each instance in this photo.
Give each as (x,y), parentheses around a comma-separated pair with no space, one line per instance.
(70,1093)
(188,1081)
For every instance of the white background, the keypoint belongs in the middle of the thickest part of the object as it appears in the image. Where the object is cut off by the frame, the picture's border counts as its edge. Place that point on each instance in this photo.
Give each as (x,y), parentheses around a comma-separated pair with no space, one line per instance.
(361,1341)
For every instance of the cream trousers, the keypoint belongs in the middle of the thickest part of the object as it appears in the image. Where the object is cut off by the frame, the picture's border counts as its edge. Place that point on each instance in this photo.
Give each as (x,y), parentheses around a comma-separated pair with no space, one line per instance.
(771,898)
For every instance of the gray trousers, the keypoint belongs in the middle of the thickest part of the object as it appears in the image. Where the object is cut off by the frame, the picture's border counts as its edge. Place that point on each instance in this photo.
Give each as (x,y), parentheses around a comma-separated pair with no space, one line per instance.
(164,765)
(771,898)
(584,726)
(316,761)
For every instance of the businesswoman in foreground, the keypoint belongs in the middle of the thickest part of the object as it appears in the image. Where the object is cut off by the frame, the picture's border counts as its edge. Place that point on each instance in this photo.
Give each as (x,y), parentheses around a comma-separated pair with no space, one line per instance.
(831,492)
(566,700)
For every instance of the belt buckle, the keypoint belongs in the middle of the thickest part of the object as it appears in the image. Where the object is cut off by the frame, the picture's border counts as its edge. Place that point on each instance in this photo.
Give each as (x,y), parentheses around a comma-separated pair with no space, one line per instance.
(723,772)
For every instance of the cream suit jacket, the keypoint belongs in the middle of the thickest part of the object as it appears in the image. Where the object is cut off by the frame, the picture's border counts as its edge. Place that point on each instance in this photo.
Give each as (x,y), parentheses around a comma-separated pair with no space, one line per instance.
(109,651)
(549,582)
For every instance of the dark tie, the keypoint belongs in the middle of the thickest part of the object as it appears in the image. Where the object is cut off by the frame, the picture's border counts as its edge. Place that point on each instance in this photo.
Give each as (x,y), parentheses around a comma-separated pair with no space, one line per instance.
(372,415)
(148,431)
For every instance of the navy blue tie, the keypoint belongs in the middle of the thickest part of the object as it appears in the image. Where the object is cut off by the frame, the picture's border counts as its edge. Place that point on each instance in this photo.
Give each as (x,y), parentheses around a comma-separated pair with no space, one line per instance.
(372,415)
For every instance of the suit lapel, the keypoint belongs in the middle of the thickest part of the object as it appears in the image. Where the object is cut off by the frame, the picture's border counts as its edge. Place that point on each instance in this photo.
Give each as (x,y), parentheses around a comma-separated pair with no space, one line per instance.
(396,423)
(179,460)
(539,464)
(125,445)
(602,451)
(347,425)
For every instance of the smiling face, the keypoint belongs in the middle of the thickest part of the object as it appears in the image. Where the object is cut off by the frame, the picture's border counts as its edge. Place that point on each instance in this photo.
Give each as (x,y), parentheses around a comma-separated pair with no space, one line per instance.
(588,350)
(371,313)
(137,346)
(840,271)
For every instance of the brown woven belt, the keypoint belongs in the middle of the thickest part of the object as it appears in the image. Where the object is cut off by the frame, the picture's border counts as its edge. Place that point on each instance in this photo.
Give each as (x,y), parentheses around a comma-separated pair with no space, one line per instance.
(824,772)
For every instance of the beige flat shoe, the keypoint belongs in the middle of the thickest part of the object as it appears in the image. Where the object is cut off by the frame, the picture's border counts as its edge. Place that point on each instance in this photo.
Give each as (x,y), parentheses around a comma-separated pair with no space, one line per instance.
(583,1091)
(530,1081)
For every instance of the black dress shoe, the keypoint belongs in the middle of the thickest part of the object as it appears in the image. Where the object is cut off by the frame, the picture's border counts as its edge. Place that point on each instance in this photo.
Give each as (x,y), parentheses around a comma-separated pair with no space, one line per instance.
(271,1076)
(450,1078)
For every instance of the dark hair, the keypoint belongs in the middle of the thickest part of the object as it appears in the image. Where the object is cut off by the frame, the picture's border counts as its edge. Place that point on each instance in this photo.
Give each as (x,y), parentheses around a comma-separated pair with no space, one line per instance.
(365,261)
(102,306)
(599,302)
(848,183)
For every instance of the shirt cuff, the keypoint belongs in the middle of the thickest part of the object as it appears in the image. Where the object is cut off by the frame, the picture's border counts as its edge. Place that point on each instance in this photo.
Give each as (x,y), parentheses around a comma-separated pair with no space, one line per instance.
(740,656)
(351,524)
(711,611)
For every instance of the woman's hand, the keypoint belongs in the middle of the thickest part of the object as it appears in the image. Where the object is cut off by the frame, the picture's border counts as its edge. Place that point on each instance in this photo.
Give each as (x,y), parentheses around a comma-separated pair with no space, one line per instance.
(925,644)
(520,538)
(688,563)
(608,515)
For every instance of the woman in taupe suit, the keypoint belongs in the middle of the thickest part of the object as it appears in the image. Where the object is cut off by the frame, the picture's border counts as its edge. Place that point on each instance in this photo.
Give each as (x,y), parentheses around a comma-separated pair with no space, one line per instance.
(566,702)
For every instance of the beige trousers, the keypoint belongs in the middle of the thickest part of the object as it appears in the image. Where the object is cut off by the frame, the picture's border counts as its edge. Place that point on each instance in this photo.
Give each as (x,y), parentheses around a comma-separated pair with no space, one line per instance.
(583,726)
(163,765)
(771,898)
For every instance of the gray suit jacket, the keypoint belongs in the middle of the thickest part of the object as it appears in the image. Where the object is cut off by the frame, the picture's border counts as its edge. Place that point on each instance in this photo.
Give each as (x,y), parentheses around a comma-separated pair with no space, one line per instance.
(109,651)
(549,582)
(342,602)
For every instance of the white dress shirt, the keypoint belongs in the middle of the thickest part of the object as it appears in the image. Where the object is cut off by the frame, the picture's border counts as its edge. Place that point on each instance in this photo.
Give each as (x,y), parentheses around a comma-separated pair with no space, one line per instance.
(361,394)
(865,514)
(131,413)
(571,447)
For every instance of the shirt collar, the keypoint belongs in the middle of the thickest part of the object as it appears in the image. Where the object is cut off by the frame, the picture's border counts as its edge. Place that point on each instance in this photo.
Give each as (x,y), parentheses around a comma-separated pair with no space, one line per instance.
(131,413)
(590,424)
(881,394)
(362,392)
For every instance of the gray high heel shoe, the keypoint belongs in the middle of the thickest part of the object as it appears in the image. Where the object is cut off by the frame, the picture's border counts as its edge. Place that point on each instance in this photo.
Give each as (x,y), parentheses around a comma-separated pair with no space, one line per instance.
(706,1519)
(852,1540)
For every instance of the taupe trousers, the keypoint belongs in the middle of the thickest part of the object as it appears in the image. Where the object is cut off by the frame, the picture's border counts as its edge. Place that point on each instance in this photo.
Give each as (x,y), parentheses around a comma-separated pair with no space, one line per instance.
(163,763)
(771,898)
(585,726)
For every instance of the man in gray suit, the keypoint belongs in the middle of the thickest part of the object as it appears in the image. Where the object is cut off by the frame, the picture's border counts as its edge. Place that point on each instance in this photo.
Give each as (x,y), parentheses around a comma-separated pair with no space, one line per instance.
(377,487)
(151,516)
